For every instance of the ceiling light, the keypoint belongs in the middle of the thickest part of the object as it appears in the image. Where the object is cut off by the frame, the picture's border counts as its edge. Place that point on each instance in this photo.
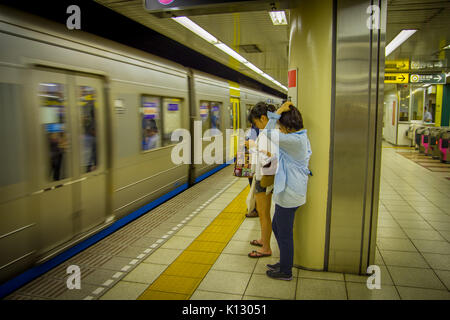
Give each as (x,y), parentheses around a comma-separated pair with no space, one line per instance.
(447,47)
(398,40)
(265,75)
(231,52)
(278,17)
(253,67)
(195,28)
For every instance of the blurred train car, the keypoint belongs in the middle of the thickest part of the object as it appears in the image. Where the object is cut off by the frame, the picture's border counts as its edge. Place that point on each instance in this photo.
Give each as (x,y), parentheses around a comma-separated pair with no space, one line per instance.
(86,128)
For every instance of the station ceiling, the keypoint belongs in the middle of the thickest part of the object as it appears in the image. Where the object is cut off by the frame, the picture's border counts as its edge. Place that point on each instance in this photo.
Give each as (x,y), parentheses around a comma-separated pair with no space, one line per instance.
(252,34)
(240,31)
(432,20)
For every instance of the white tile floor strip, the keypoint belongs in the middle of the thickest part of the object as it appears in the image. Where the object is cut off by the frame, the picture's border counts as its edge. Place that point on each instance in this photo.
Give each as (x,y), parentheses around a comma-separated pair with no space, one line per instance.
(126,268)
(108,282)
(98,290)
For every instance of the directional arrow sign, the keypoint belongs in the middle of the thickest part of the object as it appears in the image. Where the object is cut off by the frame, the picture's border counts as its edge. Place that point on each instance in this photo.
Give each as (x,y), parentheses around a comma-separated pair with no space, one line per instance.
(396,65)
(428,78)
(396,77)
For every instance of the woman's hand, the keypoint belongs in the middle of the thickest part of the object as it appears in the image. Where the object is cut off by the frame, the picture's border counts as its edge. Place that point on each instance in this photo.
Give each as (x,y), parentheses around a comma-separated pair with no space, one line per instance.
(285,107)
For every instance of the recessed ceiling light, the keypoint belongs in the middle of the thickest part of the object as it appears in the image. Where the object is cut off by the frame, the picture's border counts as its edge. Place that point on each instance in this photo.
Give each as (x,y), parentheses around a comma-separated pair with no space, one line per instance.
(278,17)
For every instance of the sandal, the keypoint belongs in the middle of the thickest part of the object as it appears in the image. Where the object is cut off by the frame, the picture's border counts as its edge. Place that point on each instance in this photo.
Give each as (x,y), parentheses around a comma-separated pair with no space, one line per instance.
(252,214)
(256,243)
(256,254)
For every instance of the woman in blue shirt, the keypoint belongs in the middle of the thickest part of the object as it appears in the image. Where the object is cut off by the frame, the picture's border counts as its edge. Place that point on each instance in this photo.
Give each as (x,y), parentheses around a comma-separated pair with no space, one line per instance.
(291,181)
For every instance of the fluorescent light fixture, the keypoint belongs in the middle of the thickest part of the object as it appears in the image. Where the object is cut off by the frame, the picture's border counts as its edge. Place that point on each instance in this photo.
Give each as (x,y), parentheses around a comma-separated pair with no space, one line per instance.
(398,40)
(195,28)
(265,75)
(278,17)
(253,67)
(447,47)
(231,52)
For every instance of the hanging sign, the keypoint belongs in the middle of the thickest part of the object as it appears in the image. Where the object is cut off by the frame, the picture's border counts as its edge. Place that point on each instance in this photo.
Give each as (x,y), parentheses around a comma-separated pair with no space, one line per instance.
(396,65)
(427,78)
(396,77)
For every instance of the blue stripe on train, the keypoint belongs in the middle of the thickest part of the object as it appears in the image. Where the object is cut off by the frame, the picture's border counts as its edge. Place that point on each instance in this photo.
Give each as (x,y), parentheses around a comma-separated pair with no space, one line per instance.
(25,277)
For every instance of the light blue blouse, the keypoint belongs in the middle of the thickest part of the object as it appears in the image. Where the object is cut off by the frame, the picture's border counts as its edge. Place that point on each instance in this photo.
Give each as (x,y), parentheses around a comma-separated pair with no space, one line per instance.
(291,178)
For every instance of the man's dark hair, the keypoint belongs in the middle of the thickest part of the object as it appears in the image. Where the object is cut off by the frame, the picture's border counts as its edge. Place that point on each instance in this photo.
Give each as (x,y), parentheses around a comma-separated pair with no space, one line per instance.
(292,119)
(260,109)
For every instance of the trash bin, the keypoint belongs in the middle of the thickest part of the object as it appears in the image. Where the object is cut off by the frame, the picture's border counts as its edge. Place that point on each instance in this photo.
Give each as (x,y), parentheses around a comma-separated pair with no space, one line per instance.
(443,145)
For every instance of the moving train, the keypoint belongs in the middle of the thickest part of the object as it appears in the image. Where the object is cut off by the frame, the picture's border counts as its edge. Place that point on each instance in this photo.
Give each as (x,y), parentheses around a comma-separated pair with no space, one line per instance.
(86,128)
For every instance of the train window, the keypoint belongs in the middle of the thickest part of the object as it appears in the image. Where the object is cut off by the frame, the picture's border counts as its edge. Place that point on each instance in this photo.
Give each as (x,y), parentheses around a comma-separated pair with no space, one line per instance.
(215,115)
(230,115)
(53,120)
(151,123)
(171,118)
(210,115)
(204,115)
(87,100)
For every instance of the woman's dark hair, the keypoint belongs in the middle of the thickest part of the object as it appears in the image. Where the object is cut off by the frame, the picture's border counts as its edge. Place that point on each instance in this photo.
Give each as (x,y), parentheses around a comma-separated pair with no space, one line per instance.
(260,109)
(292,119)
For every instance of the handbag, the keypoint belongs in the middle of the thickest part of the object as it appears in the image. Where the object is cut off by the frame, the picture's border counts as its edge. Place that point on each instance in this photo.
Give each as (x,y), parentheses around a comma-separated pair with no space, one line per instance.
(251,201)
(242,166)
(268,179)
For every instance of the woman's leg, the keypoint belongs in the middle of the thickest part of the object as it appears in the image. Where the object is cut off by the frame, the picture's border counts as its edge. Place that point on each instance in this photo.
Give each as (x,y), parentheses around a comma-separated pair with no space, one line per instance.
(285,224)
(263,204)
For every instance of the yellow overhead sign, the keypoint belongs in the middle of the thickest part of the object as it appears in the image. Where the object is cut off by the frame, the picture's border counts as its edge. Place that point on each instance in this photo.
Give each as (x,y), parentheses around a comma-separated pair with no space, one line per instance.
(396,65)
(396,78)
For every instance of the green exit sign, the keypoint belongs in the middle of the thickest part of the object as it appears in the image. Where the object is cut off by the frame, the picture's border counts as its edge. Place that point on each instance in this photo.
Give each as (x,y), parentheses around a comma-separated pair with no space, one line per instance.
(427,78)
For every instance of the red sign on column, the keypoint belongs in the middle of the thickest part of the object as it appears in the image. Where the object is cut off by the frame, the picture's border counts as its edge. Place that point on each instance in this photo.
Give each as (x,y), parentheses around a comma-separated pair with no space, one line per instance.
(292,78)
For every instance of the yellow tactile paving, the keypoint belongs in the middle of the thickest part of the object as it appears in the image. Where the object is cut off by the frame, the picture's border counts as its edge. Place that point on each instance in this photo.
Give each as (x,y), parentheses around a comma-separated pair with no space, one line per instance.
(206,246)
(183,276)
(183,285)
(185,269)
(198,257)
(213,236)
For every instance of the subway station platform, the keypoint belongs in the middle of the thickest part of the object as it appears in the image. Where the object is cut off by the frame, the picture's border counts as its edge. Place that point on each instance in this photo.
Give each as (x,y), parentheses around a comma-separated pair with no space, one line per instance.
(195,246)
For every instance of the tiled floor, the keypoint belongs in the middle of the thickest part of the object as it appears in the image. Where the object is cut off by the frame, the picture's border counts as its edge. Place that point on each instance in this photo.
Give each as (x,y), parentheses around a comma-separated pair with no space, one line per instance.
(413,249)
(413,227)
